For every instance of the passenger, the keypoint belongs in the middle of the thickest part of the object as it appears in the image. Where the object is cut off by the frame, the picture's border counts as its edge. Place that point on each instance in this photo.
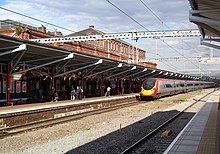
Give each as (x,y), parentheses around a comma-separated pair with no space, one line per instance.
(122,89)
(108,91)
(81,92)
(78,92)
(55,97)
(73,93)
(40,91)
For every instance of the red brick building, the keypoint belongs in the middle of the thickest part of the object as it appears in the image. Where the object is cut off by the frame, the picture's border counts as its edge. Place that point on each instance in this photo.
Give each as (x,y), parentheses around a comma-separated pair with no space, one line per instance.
(112,49)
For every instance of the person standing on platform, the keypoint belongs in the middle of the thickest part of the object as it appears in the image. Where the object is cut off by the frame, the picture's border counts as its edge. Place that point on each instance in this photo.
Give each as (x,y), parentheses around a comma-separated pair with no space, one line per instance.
(73,93)
(78,92)
(122,89)
(81,89)
(108,91)
(55,96)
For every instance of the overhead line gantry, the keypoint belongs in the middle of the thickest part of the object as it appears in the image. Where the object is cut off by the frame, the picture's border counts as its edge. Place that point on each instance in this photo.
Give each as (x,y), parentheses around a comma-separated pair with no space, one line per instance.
(123,35)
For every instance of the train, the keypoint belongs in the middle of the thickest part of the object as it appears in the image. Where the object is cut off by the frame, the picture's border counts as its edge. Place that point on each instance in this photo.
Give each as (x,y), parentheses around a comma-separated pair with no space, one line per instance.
(159,87)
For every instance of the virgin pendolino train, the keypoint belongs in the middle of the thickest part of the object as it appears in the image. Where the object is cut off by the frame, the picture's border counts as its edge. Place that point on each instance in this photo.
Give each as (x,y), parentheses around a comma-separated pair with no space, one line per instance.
(158,87)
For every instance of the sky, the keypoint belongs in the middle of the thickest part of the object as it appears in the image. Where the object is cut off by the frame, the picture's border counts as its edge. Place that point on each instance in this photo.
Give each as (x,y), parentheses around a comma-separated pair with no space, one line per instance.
(77,15)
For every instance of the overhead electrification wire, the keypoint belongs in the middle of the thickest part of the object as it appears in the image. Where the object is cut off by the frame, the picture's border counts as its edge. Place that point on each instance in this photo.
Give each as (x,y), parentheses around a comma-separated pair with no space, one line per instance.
(127,15)
(133,20)
(166,27)
(148,29)
(36,19)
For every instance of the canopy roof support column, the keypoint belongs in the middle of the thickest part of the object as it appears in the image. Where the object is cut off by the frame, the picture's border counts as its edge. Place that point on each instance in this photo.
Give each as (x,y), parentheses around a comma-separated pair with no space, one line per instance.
(8,96)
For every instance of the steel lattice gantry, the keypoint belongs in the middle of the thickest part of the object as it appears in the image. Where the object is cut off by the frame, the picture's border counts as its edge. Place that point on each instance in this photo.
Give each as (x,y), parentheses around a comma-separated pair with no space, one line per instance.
(125,35)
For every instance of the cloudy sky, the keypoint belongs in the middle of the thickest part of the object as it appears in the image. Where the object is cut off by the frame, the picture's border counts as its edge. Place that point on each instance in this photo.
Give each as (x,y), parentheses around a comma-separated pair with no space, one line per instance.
(79,14)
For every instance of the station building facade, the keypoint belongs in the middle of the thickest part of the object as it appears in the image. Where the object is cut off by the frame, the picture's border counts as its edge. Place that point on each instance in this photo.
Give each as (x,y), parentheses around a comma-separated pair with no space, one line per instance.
(36,85)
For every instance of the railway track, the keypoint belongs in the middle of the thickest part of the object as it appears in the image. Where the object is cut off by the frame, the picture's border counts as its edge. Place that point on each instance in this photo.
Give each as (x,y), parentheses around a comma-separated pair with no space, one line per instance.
(10,131)
(154,142)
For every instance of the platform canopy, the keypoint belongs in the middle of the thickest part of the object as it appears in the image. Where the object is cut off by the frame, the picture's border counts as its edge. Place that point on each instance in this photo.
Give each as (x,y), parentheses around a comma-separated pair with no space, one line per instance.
(206,14)
(24,56)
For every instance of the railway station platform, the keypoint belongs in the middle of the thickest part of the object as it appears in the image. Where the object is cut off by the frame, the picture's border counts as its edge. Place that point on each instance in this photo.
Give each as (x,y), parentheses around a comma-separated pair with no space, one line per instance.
(202,134)
(23,114)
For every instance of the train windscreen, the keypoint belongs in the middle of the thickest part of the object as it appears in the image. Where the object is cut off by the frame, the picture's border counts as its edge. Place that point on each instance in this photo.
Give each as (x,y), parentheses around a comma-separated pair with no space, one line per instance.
(149,84)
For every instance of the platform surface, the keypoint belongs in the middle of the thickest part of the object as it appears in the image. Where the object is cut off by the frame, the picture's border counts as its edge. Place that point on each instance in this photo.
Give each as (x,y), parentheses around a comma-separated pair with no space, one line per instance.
(38,106)
(200,136)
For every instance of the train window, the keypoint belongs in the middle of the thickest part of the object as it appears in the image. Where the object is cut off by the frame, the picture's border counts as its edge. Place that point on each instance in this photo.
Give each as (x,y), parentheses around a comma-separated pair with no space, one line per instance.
(182,85)
(168,85)
(149,83)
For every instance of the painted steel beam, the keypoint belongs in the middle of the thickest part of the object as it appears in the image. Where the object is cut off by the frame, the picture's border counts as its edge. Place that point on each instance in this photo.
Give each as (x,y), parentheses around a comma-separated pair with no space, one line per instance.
(49,63)
(65,73)
(123,35)
(106,70)
(20,48)
(181,59)
(210,45)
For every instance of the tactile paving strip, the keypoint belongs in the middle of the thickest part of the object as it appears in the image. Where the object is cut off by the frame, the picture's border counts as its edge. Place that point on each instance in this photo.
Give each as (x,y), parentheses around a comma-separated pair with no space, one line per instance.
(208,141)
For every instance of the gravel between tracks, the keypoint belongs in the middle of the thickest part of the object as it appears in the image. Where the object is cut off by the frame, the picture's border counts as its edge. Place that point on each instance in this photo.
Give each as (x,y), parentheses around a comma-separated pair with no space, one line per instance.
(65,137)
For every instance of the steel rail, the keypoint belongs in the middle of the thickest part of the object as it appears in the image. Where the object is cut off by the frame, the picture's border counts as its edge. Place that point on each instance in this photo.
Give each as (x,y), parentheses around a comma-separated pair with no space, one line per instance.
(139,142)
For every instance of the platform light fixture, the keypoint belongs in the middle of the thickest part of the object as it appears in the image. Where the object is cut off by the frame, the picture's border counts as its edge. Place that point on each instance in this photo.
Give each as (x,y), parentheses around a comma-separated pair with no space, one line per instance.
(69,56)
(153,71)
(20,48)
(119,65)
(133,68)
(99,61)
(144,70)
(161,72)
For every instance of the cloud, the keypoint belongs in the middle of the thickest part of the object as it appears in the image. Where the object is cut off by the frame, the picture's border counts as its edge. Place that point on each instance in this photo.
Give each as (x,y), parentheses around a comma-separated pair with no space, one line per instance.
(78,15)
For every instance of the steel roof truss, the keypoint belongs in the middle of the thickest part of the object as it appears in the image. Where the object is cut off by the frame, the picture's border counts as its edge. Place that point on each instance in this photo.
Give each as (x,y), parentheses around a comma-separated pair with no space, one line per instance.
(40,72)
(65,73)
(39,66)
(130,74)
(105,70)
(62,67)
(90,71)
(144,74)
(20,48)
(19,58)
(120,73)
(139,72)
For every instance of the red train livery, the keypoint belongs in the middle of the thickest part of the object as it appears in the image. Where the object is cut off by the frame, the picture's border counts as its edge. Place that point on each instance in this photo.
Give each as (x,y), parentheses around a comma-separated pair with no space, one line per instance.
(158,87)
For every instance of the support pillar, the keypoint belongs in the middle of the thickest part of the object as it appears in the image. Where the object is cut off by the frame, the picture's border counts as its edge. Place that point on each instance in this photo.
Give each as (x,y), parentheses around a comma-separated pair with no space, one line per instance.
(8,94)
(103,86)
(130,91)
(82,82)
(52,84)
(118,86)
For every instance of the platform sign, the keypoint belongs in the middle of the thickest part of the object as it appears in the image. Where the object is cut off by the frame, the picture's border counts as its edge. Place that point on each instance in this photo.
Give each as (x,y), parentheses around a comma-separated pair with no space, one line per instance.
(4,86)
(24,86)
(12,87)
(58,84)
(18,87)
